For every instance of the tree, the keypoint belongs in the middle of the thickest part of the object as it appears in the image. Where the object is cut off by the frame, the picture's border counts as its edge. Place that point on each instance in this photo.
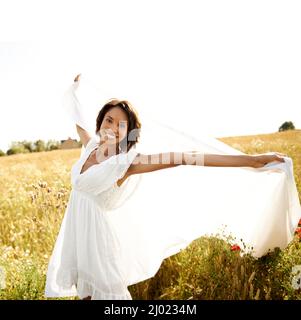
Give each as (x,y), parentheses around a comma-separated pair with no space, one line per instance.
(16,148)
(287,125)
(39,146)
(2,153)
(52,145)
(28,145)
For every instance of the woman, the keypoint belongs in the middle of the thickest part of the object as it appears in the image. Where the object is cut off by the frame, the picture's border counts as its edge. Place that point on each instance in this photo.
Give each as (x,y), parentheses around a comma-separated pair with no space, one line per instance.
(89,259)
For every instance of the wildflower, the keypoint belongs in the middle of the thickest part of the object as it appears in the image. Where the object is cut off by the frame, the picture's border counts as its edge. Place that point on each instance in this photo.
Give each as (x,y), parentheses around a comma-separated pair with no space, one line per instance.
(235,247)
(60,195)
(298,232)
(42,184)
(299,223)
(33,196)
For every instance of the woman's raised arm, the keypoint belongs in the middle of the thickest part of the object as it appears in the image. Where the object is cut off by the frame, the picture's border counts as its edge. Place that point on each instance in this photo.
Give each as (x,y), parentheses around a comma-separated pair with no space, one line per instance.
(83,134)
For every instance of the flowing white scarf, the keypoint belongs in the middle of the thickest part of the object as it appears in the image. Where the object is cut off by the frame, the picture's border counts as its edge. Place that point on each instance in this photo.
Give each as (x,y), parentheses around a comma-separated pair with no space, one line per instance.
(163,211)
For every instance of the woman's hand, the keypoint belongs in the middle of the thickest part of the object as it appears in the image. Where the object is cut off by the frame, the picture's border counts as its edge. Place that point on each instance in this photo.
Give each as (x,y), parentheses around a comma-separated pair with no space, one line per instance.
(76,79)
(262,159)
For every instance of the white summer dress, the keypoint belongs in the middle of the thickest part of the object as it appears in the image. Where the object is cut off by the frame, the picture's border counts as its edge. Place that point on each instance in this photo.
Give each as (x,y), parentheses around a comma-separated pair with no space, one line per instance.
(87,260)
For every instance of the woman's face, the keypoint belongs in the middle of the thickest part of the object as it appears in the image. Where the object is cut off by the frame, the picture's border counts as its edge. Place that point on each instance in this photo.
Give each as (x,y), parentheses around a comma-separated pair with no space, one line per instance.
(115,122)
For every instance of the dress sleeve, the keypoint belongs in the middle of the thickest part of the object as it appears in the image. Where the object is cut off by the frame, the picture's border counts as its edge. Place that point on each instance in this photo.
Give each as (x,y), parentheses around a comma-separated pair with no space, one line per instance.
(104,175)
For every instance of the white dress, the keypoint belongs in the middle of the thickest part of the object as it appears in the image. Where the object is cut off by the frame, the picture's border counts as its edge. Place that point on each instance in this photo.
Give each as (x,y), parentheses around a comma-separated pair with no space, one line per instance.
(87,260)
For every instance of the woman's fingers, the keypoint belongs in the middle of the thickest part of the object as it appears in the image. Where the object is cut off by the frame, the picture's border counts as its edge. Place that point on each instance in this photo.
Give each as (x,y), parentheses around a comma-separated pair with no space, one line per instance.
(264,159)
(274,157)
(77,77)
(281,154)
(280,158)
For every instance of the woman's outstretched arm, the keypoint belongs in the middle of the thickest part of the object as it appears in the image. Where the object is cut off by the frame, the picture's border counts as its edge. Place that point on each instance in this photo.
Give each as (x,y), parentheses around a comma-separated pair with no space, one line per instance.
(147,163)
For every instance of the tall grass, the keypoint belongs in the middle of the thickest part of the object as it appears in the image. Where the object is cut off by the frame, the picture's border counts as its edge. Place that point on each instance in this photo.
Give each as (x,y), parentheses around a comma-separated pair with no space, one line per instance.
(34,192)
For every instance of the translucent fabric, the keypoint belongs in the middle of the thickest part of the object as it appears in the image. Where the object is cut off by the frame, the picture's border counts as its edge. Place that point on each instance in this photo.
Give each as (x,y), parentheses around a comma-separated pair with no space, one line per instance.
(157,214)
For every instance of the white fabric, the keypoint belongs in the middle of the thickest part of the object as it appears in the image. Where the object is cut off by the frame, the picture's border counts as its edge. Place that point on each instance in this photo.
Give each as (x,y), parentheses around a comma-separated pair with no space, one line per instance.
(113,237)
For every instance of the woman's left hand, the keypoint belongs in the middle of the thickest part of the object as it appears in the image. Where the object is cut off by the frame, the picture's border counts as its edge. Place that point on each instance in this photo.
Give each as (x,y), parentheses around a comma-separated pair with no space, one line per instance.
(262,159)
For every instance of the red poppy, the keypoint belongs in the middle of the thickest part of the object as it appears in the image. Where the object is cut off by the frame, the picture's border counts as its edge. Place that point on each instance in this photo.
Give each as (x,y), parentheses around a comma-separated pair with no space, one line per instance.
(298,230)
(235,247)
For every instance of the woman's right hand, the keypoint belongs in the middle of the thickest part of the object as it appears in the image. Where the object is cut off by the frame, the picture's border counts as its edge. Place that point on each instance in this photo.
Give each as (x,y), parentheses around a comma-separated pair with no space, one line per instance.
(77,78)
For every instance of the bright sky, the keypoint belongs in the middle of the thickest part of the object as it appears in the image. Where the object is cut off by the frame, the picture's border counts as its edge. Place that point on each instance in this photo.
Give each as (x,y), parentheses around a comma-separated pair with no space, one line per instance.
(225,67)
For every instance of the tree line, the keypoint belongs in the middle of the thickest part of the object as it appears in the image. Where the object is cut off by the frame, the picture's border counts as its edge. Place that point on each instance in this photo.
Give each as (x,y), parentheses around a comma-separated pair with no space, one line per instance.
(31,146)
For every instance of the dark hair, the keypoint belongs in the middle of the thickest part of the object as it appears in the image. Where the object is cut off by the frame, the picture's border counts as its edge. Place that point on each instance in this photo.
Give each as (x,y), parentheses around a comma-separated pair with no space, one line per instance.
(134,124)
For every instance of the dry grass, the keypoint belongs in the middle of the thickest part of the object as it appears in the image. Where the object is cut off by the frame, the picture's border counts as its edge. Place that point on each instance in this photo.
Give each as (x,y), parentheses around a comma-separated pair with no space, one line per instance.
(34,191)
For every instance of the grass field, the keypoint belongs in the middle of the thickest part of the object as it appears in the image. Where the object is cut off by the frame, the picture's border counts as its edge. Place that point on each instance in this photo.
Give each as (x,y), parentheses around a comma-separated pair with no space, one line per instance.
(34,190)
